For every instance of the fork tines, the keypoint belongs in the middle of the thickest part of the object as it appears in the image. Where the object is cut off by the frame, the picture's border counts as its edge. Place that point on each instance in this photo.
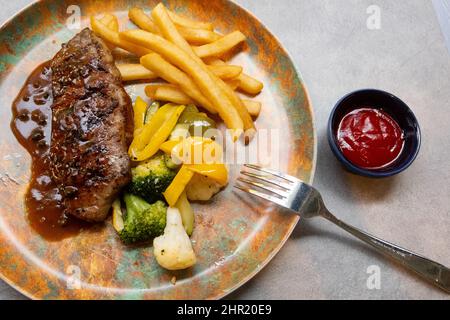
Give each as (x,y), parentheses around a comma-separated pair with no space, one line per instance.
(277,186)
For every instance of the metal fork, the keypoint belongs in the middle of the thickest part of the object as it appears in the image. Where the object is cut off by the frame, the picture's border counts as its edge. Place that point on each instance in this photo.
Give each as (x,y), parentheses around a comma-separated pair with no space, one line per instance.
(305,201)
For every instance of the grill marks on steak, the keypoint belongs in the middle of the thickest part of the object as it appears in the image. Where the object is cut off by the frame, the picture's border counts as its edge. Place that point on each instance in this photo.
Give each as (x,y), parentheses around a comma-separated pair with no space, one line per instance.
(91,128)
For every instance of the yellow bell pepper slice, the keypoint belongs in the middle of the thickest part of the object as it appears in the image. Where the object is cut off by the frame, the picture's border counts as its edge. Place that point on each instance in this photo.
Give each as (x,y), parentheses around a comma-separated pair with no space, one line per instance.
(217,172)
(140,109)
(207,148)
(154,133)
(178,185)
(194,150)
(168,146)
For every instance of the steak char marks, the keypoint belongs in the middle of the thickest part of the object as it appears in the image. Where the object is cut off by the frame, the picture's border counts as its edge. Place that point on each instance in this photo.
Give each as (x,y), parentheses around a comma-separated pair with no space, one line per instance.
(92,127)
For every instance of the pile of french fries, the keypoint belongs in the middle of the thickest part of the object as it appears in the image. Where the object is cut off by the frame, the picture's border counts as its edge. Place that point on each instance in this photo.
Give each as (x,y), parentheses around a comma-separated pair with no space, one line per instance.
(188,56)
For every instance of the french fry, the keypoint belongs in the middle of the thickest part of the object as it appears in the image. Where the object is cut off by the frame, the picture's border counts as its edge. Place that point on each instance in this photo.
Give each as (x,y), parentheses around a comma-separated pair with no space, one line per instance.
(233,84)
(198,36)
(168,93)
(247,84)
(219,88)
(194,36)
(169,31)
(250,85)
(199,74)
(171,74)
(188,23)
(151,88)
(239,107)
(226,72)
(253,107)
(221,46)
(111,22)
(114,38)
(171,93)
(143,21)
(133,72)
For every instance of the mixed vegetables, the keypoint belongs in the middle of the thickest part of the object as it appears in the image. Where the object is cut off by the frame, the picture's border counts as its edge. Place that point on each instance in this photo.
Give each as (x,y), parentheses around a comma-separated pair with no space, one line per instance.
(142,221)
(152,177)
(174,164)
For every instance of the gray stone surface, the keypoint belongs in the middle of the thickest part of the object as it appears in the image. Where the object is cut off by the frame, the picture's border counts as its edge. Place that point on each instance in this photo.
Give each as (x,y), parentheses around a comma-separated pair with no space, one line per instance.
(337,53)
(442,8)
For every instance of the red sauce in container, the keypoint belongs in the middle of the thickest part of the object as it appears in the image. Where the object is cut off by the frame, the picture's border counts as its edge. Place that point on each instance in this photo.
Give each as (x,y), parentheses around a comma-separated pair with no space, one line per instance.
(370,138)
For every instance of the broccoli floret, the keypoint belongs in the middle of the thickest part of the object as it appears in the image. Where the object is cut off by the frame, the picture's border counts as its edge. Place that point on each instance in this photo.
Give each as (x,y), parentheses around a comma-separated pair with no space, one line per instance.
(151,178)
(142,221)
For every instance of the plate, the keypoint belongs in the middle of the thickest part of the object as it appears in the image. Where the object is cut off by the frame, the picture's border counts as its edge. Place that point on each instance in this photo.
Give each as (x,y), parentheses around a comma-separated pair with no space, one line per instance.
(235,236)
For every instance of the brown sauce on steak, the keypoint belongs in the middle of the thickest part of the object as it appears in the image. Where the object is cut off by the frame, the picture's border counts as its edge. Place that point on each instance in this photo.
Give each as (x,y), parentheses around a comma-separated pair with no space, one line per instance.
(76,120)
(32,126)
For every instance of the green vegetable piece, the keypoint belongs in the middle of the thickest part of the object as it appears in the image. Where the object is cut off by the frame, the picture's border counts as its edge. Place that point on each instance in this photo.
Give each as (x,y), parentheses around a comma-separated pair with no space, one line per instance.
(198,122)
(151,178)
(142,221)
(191,108)
(187,213)
(151,111)
(171,164)
(180,131)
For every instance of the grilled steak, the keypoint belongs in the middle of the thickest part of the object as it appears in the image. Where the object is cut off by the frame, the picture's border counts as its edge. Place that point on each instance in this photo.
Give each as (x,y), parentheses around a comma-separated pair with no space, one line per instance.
(92,127)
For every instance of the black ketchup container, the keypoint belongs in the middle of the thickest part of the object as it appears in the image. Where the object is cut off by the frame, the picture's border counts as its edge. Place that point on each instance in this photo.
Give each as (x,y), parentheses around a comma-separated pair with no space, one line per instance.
(397,110)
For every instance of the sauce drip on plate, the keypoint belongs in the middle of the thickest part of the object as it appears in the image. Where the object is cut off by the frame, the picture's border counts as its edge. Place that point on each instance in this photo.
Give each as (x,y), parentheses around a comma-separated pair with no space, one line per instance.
(32,126)
(370,138)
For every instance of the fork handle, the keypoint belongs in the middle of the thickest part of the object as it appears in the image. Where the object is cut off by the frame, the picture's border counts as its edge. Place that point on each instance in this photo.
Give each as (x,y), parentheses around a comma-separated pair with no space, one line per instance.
(432,271)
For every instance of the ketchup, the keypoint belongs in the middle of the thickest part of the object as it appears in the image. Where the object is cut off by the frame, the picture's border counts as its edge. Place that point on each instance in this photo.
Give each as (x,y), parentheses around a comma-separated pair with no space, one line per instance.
(370,138)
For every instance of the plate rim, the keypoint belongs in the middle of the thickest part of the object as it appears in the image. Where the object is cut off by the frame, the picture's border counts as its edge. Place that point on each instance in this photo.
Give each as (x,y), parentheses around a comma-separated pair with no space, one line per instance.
(310,108)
